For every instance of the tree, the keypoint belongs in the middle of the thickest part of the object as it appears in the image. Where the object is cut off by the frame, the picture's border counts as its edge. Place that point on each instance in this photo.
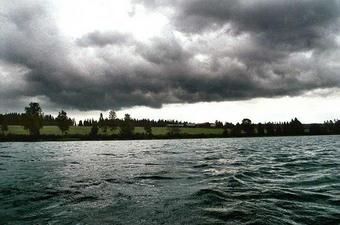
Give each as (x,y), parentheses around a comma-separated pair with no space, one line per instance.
(225,132)
(148,129)
(269,129)
(337,127)
(101,118)
(126,128)
(279,130)
(102,123)
(247,127)
(4,126)
(112,120)
(227,129)
(329,126)
(315,129)
(296,127)
(33,119)
(218,124)
(104,126)
(236,131)
(63,122)
(260,129)
(94,130)
(112,115)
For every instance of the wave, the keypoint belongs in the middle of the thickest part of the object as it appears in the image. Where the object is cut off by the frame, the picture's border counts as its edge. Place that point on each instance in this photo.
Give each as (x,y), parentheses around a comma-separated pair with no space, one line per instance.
(154,177)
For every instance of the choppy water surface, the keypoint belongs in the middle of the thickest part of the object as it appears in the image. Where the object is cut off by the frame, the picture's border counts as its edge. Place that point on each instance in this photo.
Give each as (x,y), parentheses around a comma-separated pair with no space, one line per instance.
(288,180)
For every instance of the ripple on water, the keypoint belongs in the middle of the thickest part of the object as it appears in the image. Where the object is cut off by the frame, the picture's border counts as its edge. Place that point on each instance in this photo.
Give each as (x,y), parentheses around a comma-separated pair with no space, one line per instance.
(6,156)
(154,177)
(119,181)
(201,165)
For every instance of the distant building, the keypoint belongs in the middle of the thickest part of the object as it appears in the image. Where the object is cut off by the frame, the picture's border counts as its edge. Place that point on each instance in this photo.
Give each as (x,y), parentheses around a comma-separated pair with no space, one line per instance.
(175,125)
(191,125)
(206,125)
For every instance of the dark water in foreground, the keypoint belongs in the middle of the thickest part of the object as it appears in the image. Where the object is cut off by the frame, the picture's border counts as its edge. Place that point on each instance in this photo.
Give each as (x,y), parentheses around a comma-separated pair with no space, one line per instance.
(288,180)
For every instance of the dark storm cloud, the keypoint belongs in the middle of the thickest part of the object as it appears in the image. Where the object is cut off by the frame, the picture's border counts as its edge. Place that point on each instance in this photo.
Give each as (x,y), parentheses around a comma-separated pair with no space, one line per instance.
(287,24)
(101,39)
(164,52)
(30,39)
(263,15)
(228,50)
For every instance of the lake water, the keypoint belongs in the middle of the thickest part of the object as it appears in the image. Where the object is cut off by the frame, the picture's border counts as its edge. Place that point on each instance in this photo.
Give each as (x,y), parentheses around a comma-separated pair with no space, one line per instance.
(281,180)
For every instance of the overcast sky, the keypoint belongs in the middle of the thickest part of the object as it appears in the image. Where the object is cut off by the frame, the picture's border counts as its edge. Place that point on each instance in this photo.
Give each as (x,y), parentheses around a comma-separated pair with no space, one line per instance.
(196,60)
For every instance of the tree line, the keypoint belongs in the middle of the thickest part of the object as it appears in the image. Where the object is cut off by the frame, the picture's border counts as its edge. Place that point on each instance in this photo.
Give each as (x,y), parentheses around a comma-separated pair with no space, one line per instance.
(33,120)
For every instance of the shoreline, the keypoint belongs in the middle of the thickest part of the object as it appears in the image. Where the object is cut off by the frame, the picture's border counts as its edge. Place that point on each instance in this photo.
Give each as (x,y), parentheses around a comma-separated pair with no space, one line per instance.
(73,138)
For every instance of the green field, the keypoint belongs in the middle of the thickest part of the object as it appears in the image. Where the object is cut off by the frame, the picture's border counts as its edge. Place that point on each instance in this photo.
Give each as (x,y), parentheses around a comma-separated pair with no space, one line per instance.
(53,130)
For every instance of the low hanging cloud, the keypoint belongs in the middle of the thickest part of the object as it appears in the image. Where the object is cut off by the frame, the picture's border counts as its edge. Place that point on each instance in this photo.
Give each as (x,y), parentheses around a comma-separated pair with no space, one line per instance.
(216,50)
(103,39)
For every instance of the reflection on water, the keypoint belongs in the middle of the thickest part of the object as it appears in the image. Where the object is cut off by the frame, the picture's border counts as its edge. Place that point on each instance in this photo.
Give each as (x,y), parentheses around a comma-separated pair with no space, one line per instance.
(289,180)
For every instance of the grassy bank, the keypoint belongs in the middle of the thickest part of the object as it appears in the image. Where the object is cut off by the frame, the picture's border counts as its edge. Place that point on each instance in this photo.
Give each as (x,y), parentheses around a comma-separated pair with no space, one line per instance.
(53,133)
(79,131)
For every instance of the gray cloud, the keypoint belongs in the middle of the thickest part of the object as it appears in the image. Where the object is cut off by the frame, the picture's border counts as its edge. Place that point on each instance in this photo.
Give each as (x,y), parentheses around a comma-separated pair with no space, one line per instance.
(222,50)
(100,39)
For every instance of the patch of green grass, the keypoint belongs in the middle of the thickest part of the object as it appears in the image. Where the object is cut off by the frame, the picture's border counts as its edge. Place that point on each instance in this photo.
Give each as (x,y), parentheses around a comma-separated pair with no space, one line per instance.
(78,130)
(54,130)
(17,130)
(50,130)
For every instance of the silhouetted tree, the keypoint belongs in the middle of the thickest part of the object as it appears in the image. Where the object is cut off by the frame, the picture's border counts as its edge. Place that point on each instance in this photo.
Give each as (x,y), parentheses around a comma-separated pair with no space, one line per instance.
(279,129)
(286,128)
(4,127)
(260,129)
(49,120)
(103,124)
(337,127)
(218,124)
(329,127)
(88,123)
(296,127)
(270,129)
(228,127)
(101,118)
(112,115)
(80,123)
(33,119)
(225,132)
(237,130)
(63,122)
(94,130)
(315,129)
(126,128)
(247,127)
(112,120)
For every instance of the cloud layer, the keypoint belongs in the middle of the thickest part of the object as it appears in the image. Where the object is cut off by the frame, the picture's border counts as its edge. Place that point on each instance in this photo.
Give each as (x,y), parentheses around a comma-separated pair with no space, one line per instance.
(215,50)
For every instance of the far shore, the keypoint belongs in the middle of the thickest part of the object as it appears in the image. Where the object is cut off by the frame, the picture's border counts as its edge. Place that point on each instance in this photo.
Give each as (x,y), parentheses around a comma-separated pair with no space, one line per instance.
(51,133)
(34,125)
